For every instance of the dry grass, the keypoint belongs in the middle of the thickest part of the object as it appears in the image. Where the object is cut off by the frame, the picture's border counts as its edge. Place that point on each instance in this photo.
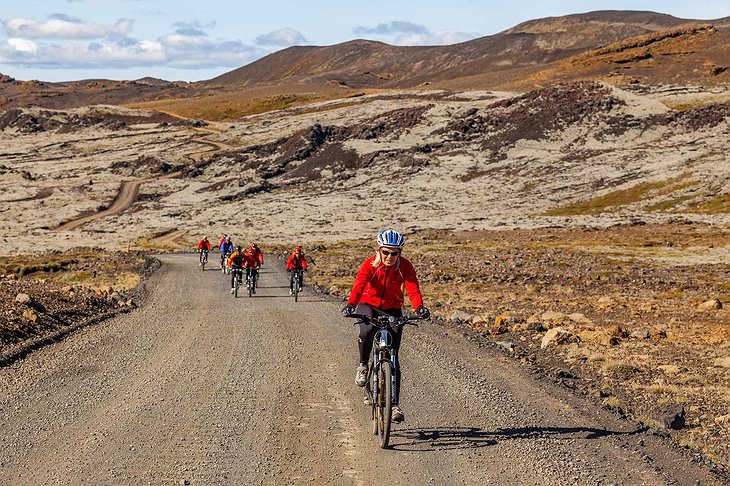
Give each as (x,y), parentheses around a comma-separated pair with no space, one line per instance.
(716,204)
(231,105)
(624,197)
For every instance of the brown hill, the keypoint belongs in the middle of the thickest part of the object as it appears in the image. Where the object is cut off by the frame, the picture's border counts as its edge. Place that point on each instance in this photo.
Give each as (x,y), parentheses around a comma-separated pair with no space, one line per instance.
(687,55)
(504,56)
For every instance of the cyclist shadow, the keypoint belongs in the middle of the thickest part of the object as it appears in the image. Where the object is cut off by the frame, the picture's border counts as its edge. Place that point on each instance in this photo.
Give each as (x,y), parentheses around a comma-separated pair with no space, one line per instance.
(444,438)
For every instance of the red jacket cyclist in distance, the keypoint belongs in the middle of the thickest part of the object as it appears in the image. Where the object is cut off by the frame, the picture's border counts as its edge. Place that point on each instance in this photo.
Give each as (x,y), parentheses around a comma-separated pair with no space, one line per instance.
(296,260)
(256,252)
(204,244)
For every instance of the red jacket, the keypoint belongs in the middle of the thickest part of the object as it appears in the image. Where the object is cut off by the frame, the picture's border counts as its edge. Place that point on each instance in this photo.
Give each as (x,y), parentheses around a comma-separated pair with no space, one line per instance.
(257,254)
(382,286)
(204,245)
(294,262)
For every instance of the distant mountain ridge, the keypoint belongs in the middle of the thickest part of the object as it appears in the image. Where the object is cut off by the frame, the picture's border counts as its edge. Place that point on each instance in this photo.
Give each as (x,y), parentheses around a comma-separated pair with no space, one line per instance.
(619,47)
(527,46)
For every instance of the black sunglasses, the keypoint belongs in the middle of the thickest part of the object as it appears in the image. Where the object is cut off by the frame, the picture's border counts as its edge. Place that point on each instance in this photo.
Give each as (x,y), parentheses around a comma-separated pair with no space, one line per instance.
(389,253)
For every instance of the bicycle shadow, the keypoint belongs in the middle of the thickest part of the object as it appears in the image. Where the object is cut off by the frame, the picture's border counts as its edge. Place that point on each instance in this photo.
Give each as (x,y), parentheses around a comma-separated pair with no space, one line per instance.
(445,438)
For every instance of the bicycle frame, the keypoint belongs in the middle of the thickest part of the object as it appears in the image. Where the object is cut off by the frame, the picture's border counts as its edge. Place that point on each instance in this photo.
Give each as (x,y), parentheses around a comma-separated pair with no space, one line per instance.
(382,351)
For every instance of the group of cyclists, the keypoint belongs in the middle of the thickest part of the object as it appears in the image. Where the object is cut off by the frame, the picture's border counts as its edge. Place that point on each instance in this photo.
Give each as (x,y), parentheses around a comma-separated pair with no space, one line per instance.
(235,260)
(380,283)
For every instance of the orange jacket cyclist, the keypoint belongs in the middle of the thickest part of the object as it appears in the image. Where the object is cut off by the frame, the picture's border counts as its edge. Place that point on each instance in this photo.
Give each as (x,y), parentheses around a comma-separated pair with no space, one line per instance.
(236,262)
(296,261)
(379,283)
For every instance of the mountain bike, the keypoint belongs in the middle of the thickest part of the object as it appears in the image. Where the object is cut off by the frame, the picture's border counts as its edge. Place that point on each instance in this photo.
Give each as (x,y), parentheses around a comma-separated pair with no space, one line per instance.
(298,275)
(255,274)
(381,388)
(250,277)
(224,263)
(203,258)
(237,279)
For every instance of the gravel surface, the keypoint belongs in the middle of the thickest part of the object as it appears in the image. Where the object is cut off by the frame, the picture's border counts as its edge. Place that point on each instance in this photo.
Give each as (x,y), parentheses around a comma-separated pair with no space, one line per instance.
(196,387)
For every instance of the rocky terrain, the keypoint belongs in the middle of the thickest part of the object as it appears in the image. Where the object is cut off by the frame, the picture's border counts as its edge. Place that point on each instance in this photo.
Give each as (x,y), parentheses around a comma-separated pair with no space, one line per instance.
(635,316)
(575,153)
(51,293)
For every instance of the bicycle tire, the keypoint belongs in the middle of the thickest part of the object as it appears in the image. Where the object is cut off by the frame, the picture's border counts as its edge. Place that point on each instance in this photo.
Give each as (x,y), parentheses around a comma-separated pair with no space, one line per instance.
(296,289)
(373,401)
(249,284)
(385,409)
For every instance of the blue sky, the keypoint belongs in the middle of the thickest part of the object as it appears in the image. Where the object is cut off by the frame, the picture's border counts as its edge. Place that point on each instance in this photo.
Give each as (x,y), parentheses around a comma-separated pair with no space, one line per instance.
(190,40)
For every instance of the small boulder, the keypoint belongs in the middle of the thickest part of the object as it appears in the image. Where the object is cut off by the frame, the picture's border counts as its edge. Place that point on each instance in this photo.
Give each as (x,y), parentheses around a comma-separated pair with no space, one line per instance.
(640,334)
(713,304)
(552,316)
(670,416)
(24,299)
(506,346)
(500,325)
(723,362)
(30,315)
(579,318)
(598,337)
(616,331)
(557,336)
(536,326)
(29,301)
(462,317)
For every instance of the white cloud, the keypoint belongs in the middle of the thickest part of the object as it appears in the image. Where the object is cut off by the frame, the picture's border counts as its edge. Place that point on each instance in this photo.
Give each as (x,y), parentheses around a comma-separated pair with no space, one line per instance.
(438,39)
(62,27)
(22,45)
(403,33)
(282,37)
(173,50)
(394,27)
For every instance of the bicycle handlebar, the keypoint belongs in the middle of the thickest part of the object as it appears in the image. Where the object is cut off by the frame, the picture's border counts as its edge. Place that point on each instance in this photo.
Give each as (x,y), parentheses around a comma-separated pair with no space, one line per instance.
(387,321)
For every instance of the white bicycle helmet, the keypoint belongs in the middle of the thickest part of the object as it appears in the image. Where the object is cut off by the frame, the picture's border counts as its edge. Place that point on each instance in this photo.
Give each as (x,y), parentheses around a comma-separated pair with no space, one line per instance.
(391,238)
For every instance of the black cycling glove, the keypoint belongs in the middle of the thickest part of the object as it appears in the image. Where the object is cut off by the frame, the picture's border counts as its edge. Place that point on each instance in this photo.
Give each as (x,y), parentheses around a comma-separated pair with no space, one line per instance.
(348,310)
(423,312)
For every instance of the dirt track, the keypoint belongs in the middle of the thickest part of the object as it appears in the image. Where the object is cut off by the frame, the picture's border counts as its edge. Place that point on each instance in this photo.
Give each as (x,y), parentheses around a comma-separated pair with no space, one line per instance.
(196,386)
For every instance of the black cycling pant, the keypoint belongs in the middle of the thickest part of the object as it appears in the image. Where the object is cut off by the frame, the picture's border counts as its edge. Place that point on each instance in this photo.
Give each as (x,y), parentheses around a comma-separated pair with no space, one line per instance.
(365,344)
(236,272)
(293,273)
(253,272)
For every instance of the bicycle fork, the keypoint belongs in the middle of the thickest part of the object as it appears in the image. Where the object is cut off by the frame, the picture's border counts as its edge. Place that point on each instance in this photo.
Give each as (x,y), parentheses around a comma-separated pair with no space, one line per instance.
(378,356)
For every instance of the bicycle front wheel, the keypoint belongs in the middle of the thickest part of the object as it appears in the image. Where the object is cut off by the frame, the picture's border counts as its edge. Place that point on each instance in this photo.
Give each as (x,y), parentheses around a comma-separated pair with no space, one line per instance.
(384,403)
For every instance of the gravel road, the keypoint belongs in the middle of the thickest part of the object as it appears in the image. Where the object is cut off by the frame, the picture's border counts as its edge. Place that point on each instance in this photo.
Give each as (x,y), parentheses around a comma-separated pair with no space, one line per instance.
(196,387)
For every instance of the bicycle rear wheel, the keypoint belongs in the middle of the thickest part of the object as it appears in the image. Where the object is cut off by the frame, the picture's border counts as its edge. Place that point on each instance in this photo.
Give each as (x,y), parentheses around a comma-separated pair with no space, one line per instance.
(384,403)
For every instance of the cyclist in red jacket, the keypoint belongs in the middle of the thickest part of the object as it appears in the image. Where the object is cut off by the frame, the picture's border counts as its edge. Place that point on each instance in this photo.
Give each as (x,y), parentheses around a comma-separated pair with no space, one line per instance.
(204,244)
(203,249)
(296,261)
(380,282)
(256,252)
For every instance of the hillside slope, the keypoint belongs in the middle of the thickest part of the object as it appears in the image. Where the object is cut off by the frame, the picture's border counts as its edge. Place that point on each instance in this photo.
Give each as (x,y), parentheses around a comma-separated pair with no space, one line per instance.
(505,55)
